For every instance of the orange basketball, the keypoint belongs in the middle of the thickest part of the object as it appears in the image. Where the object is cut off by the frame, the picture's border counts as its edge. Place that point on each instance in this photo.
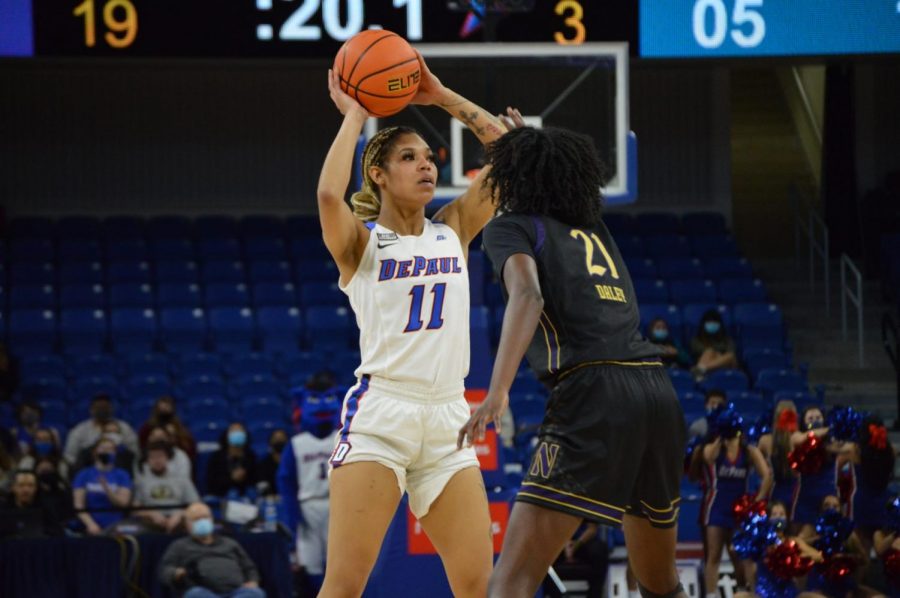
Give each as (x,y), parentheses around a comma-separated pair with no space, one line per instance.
(379,69)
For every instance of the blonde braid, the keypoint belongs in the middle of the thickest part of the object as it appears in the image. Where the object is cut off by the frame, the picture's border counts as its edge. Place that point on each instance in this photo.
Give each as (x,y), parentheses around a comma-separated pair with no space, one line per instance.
(367,202)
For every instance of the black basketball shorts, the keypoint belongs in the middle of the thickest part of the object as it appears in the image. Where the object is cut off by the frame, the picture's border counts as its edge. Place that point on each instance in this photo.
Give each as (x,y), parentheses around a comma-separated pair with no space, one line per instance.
(612,443)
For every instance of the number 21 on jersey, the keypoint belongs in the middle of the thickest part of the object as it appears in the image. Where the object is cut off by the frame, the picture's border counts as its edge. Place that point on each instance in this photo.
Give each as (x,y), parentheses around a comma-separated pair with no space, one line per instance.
(605,291)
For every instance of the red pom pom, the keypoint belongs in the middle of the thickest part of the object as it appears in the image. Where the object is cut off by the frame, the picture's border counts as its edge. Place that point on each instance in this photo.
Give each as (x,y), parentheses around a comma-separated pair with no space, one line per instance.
(809,457)
(787,421)
(877,437)
(838,568)
(785,562)
(746,506)
(891,560)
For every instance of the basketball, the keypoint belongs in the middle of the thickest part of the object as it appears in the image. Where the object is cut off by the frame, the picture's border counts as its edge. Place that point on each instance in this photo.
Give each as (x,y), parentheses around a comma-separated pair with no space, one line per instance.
(379,69)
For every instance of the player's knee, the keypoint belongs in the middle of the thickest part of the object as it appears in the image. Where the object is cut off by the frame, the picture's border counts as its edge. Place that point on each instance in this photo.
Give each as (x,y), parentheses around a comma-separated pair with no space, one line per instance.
(472,582)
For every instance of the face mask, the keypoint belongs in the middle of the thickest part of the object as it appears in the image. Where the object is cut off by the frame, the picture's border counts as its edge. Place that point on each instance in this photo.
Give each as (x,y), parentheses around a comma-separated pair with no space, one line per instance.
(816,423)
(202,528)
(165,416)
(712,327)
(660,334)
(103,414)
(114,436)
(30,418)
(237,438)
(779,523)
(105,458)
(43,448)
(278,446)
(48,478)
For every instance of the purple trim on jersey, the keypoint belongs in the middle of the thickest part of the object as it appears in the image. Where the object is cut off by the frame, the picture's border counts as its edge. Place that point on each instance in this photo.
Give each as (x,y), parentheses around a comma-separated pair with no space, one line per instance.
(553,342)
(540,232)
(353,407)
(370,225)
(554,499)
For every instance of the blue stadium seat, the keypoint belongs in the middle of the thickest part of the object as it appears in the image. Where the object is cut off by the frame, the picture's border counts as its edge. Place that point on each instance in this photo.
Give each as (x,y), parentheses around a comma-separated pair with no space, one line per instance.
(148,386)
(78,227)
(81,273)
(630,247)
(271,408)
(307,249)
(726,379)
(45,388)
(178,294)
(682,380)
(86,388)
(183,329)
(172,250)
(264,248)
(133,329)
(218,249)
(259,430)
(760,323)
(255,386)
(493,294)
(801,398)
(32,227)
(262,225)
(741,290)
(82,295)
(727,267)
(124,228)
(306,362)
(32,250)
(231,271)
(280,328)
(703,223)
(208,430)
(32,331)
(750,404)
(692,401)
(667,246)
(344,363)
(207,408)
(316,271)
(681,268)
(651,291)
(620,224)
(760,359)
(98,365)
(772,380)
(693,313)
(683,292)
(131,249)
(83,250)
(55,413)
(329,327)
(42,366)
(145,364)
(194,365)
(128,271)
(169,227)
(32,296)
(657,223)
(215,226)
(32,273)
(227,294)
(642,268)
(242,365)
(708,246)
(688,516)
(194,387)
(670,313)
(131,294)
(269,271)
(177,271)
(140,408)
(322,293)
(232,329)
(268,294)
(478,268)
(300,227)
(83,329)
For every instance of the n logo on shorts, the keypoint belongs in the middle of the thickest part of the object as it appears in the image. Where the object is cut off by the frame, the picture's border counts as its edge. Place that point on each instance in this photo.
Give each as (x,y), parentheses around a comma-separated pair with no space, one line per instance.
(544,460)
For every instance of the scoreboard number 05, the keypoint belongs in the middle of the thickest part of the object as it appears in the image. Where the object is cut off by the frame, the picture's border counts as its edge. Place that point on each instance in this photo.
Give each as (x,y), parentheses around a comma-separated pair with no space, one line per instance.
(748,27)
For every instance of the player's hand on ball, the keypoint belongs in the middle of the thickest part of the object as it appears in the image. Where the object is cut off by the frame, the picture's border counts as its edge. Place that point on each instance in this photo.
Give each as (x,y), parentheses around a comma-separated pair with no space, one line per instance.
(431,90)
(490,411)
(344,102)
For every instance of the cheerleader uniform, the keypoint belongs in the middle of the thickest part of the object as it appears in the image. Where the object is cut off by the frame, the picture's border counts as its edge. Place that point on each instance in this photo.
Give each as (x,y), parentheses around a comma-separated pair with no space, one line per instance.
(785,489)
(725,481)
(814,487)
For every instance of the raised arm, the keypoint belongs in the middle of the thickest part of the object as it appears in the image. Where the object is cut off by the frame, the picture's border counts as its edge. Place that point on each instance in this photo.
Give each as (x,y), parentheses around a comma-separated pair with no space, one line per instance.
(344,234)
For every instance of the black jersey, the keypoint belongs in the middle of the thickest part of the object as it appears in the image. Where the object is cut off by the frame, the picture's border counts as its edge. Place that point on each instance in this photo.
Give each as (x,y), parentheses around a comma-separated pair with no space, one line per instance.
(590,312)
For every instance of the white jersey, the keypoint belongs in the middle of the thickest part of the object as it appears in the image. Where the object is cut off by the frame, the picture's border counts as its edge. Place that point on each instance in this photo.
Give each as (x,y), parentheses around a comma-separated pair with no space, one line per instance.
(411,299)
(311,455)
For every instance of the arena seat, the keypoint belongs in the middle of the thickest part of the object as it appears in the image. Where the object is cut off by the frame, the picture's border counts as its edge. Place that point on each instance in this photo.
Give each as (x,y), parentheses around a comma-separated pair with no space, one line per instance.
(123,228)
(741,290)
(169,226)
(232,271)
(177,271)
(215,226)
(226,294)
(43,273)
(682,292)
(126,248)
(713,245)
(264,248)
(682,268)
(80,250)
(218,249)
(270,271)
(322,293)
(183,329)
(33,331)
(757,360)
(760,322)
(32,250)
(667,246)
(727,267)
(32,296)
(651,291)
(271,294)
(726,379)
(704,223)
(123,271)
(145,364)
(280,328)
(131,294)
(96,365)
(172,250)
(657,223)
(772,380)
(91,296)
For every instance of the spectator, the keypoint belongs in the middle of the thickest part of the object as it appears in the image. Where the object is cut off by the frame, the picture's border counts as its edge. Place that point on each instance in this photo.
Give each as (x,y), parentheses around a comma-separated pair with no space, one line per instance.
(179,462)
(712,347)
(101,488)
(54,488)
(672,353)
(26,500)
(700,426)
(8,441)
(9,374)
(231,470)
(7,466)
(125,457)
(157,487)
(205,565)
(268,466)
(163,415)
(45,444)
(86,434)
(29,415)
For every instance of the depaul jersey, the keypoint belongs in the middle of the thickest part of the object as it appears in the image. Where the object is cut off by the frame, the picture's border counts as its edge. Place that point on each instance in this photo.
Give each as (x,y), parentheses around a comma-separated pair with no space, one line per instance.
(311,455)
(590,309)
(411,299)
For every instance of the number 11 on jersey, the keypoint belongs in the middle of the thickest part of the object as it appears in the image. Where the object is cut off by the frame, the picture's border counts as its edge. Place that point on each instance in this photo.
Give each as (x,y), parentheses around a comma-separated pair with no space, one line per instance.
(415,308)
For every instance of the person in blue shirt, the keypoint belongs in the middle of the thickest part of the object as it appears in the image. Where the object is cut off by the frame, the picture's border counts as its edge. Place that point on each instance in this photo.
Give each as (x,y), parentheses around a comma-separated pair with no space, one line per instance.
(101,486)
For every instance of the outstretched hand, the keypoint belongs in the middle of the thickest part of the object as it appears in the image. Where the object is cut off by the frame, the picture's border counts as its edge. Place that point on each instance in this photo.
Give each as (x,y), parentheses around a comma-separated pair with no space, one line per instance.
(345,104)
(431,90)
(490,411)
(512,119)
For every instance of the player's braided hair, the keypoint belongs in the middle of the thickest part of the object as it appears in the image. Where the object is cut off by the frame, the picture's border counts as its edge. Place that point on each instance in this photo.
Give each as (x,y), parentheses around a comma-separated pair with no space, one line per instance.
(367,201)
(553,172)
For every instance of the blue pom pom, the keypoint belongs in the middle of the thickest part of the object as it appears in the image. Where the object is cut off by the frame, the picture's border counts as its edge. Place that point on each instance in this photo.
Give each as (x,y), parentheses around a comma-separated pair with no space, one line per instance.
(726,422)
(893,514)
(833,531)
(754,537)
(844,423)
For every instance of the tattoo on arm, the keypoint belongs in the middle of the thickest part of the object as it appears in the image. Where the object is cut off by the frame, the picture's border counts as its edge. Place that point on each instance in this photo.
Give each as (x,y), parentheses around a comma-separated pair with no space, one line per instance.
(470,118)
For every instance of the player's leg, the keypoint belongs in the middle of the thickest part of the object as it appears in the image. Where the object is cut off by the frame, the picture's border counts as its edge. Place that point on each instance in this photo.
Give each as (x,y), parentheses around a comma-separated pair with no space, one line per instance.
(716,537)
(534,538)
(458,523)
(364,498)
(651,554)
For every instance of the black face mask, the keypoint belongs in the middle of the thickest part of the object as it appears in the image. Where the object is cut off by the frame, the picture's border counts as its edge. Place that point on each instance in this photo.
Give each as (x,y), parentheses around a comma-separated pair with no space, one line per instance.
(103,414)
(165,416)
(277,447)
(48,478)
(105,458)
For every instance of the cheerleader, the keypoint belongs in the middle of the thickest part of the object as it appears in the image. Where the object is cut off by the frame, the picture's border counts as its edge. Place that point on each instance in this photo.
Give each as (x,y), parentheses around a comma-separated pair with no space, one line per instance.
(776,446)
(814,487)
